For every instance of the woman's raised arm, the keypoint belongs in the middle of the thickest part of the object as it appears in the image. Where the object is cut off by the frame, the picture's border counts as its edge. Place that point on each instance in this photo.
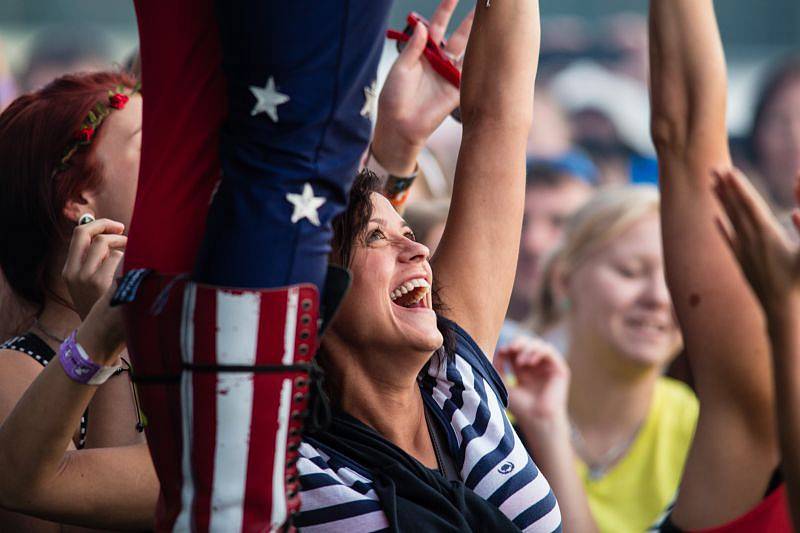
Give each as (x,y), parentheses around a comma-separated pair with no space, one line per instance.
(722,325)
(475,263)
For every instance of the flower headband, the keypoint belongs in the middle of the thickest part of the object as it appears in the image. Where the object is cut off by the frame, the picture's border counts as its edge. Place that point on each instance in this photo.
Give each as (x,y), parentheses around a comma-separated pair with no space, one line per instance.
(117,99)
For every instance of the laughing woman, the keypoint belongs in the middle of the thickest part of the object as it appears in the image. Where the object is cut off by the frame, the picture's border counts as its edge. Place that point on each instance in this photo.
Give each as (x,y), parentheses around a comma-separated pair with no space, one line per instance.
(419,437)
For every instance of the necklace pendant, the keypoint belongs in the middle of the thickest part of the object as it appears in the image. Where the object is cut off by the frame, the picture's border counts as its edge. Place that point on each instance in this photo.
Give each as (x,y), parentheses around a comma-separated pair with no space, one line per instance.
(596,472)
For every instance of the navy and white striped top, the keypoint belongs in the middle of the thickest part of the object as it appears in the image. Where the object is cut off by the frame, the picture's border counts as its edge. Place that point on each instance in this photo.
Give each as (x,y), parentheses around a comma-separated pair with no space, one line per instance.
(466,392)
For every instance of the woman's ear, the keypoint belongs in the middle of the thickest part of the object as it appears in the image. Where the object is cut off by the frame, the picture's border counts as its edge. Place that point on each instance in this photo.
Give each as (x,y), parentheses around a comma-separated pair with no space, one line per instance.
(81,204)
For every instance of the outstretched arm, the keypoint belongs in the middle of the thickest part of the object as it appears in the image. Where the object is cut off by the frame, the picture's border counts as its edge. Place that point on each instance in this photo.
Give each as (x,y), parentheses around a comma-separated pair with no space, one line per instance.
(722,325)
(103,487)
(476,260)
(771,263)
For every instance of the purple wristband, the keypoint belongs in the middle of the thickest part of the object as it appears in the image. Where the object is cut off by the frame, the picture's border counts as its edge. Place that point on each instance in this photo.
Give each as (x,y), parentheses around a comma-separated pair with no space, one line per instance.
(78,366)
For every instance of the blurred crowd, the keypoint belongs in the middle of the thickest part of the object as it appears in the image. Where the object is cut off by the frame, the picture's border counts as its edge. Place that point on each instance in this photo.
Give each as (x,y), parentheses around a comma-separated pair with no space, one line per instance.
(591,202)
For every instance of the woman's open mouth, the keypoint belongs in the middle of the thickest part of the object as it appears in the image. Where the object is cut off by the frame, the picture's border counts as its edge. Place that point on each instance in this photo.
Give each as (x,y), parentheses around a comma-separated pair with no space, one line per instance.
(411,294)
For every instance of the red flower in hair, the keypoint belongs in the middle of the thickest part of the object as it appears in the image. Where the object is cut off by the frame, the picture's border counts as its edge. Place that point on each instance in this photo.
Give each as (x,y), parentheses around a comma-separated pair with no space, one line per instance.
(118,101)
(85,134)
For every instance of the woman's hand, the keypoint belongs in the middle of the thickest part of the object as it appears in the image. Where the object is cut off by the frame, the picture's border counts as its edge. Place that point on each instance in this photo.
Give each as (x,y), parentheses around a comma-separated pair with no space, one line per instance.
(415,99)
(539,395)
(538,399)
(768,258)
(94,254)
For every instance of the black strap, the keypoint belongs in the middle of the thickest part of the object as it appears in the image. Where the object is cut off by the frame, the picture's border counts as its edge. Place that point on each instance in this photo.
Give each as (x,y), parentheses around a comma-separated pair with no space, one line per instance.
(439,439)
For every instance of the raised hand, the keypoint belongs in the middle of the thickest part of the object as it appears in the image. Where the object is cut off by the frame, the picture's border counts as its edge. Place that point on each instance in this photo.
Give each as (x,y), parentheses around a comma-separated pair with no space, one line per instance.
(94,254)
(542,380)
(768,258)
(415,99)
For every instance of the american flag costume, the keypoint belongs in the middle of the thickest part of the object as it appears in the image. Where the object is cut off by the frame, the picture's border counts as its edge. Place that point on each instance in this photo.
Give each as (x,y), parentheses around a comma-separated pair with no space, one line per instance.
(253,129)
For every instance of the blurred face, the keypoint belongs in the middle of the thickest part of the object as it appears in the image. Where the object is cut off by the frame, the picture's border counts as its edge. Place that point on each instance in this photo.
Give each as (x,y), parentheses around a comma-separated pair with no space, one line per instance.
(547,210)
(619,301)
(118,150)
(388,308)
(778,142)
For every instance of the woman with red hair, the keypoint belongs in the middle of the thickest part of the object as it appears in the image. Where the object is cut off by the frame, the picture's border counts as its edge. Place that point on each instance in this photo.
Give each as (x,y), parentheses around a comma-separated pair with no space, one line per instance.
(70,155)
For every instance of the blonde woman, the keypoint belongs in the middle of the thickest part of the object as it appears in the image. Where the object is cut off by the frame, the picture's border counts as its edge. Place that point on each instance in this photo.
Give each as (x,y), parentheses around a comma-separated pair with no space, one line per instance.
(630,426)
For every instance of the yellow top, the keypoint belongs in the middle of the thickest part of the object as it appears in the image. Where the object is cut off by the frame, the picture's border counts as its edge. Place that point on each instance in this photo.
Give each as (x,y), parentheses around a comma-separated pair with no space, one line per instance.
(634,493)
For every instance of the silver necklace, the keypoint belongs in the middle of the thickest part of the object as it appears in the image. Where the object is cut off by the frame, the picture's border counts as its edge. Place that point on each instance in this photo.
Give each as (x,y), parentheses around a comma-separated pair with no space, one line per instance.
(38,325)
(599,467)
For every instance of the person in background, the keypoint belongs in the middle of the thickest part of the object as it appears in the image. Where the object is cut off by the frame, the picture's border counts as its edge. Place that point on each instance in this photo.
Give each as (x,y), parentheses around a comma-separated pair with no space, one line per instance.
(731,481)
(551,134)
(630,427)
(55,269)
(608,117)
(624,37)
(554,190)
(774,139)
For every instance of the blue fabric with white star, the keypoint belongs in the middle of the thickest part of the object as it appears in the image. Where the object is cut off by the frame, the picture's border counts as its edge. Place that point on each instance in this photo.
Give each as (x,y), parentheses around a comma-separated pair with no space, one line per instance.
(297,76)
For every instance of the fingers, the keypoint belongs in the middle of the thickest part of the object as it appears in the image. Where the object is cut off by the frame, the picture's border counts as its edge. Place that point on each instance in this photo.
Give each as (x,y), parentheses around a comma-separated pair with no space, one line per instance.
(441,18)
(750,216)
(82,238)
(100,250)
(458,41)
(740,218)
(414,47)
(109,267)
(753,205)
(529,352)
(729,238)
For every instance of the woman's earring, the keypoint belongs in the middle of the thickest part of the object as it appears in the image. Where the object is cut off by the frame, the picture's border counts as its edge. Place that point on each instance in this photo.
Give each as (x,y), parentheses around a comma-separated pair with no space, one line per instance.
(565,304)
(86,218)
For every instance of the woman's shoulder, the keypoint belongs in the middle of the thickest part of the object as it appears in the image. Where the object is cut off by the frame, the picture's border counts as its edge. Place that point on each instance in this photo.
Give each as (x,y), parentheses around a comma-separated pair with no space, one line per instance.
(676,394)
(461,355)
(30,345)
(676,407)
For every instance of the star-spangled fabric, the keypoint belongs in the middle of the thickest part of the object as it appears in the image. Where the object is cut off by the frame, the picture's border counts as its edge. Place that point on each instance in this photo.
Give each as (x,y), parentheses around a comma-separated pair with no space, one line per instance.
(467,395)
(294,117)
(268,99)
(305,205)
(247,102)
(225,146)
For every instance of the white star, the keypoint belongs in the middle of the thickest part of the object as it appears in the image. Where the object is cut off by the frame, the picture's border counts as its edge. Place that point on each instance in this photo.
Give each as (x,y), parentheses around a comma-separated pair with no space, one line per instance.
(305,205)
(268,99)
(371,100)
